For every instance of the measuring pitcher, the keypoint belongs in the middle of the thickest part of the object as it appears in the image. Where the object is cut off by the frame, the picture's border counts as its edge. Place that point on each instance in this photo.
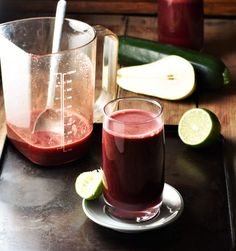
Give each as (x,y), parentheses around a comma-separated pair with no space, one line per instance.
(27,68)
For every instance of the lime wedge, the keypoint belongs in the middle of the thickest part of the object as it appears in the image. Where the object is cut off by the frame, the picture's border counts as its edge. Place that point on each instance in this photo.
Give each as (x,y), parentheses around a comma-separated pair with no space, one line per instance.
(199,127)
(88,185)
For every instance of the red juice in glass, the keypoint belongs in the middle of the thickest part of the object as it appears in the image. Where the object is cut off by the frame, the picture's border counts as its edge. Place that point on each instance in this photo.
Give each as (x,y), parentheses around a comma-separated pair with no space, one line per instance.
(49,148)
(180,23)
(133,163)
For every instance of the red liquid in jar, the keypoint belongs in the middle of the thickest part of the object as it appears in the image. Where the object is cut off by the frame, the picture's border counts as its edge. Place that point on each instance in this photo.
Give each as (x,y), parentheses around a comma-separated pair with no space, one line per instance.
(133,162)
(45,148)
(180,23)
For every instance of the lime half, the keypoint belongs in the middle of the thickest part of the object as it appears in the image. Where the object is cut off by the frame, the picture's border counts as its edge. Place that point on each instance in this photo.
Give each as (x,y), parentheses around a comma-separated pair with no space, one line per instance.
(88,185)
(199,127)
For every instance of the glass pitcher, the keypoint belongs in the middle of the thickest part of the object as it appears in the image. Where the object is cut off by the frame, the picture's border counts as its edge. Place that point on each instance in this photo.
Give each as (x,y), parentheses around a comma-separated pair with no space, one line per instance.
(27,69)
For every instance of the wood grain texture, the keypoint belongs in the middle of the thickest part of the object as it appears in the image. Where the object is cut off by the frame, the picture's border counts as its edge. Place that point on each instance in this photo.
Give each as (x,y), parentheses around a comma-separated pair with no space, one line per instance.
(11,9)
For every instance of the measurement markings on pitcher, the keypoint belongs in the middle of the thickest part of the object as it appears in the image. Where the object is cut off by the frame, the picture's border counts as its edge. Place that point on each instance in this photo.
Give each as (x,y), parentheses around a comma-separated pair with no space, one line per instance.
(66,98)
(68,109)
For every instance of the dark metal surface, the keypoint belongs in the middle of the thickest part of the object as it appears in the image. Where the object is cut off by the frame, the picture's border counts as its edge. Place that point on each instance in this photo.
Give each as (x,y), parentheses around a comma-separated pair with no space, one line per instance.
(40,210)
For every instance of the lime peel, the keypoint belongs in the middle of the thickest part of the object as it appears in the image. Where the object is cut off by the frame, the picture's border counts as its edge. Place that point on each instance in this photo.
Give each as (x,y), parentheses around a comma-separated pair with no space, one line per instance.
(199,127)
(88,185)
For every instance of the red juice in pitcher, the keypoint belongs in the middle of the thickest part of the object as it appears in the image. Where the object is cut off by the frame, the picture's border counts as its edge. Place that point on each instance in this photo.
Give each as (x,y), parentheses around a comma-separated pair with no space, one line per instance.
(180,23)
(49,148)
(133,160)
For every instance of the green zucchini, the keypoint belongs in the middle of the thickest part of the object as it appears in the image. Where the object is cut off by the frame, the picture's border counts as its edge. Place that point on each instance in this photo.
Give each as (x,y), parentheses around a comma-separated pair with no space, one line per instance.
(211,72)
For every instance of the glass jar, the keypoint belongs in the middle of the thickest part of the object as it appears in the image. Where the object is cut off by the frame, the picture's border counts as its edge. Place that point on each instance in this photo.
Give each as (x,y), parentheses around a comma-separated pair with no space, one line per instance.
(180,23)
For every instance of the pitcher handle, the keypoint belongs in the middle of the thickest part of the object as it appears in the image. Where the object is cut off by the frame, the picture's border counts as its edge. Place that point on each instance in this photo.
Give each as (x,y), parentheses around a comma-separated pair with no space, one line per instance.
(107,44)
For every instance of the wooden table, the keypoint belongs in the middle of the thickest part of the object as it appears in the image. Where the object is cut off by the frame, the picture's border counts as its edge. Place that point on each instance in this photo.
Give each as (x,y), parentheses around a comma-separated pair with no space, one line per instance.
(220,37)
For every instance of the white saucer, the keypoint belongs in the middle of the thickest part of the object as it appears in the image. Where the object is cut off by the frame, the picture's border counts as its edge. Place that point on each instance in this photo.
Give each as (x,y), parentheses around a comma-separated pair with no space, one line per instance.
(171,209)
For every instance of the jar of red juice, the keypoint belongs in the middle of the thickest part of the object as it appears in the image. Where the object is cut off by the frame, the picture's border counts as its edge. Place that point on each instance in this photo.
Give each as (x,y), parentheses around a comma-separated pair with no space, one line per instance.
(180,23)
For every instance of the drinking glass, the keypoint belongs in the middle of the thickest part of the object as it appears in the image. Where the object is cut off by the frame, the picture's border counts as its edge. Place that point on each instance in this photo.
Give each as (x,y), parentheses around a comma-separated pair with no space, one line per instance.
(133,157)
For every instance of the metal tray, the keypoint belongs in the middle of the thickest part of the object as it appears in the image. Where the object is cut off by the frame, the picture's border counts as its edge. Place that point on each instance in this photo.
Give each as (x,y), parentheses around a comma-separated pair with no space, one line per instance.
(40,210)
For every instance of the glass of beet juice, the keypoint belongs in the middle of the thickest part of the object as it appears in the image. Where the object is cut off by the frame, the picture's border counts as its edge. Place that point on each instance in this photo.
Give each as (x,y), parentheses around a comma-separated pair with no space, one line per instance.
(133,158)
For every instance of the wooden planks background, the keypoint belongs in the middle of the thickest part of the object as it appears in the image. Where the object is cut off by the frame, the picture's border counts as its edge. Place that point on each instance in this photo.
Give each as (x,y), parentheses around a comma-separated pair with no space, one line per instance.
(10,9)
